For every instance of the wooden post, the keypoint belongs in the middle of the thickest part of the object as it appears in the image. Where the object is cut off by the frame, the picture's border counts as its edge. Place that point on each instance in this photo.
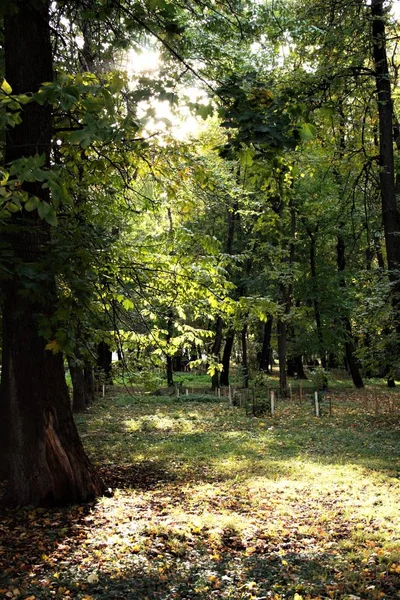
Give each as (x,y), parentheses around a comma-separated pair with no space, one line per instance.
(187,392)
(177,391)
(316,404)
(272,403)
(219,393)
(104,389)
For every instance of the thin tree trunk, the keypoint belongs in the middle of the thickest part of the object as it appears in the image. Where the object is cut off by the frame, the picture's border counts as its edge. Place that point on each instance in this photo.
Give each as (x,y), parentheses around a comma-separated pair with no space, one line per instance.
(89,383)
(169,361)
(42,453)
(215,351)
(104,361)
(286,294)
(349,344)
(298,361)
(290,367)
(245,362)
(78,387)
(282,352)
(317,312)
(266,346)
(226,357)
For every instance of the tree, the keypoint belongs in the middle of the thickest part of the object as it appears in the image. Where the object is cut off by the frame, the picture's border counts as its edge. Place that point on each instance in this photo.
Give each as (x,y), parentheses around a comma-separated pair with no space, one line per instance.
(42,456)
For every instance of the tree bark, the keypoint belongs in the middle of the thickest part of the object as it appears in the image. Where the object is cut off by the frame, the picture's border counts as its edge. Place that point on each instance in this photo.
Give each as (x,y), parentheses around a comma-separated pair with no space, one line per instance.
(78,386)
(390,210)
(226,357)
(42,453)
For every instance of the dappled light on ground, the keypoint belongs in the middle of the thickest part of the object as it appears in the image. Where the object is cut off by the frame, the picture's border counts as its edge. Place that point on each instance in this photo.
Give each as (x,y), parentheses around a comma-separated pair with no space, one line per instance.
(210,503)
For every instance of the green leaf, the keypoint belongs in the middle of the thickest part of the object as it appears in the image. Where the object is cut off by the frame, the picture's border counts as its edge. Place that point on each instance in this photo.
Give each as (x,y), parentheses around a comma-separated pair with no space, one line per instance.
(32,203)
(308,131)
(43,209)
(51,217)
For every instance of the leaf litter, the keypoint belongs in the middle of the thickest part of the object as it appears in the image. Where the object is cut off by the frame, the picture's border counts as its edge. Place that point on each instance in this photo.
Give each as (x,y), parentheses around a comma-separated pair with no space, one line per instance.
(235,508)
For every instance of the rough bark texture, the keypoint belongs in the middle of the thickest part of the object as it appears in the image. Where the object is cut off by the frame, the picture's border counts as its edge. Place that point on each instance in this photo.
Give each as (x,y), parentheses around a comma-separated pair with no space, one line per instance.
(226,357)
(43,456)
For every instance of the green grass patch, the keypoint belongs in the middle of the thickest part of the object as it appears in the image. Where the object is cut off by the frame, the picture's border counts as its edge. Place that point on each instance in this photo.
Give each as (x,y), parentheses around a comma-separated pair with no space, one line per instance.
(211,502)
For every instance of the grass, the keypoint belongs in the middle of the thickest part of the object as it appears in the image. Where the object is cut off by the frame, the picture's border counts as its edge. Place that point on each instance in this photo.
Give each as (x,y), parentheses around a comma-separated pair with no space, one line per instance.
(209,502)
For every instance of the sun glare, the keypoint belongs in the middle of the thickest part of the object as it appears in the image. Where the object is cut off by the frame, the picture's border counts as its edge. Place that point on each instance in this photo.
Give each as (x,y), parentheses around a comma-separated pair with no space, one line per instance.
(180,124)
(146,61)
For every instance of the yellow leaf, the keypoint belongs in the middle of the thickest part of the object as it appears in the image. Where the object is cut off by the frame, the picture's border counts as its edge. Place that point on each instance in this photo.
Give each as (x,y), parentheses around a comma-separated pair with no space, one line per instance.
(6,87)
(54,346)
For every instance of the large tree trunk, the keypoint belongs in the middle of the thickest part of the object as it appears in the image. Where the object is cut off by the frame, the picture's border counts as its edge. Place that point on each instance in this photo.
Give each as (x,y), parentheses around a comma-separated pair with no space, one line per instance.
(226,357)
(42,454)
(390,210)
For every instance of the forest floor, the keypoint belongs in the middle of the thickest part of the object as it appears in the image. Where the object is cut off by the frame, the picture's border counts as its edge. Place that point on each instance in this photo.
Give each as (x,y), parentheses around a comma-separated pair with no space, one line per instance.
(211,503)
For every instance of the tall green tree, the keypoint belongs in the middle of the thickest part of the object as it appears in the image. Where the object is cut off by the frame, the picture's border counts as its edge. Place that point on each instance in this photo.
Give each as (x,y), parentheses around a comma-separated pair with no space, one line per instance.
(42,456)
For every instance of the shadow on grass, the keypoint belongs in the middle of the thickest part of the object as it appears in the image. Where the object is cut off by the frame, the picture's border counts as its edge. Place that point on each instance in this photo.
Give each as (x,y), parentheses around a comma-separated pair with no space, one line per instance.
(197,572)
